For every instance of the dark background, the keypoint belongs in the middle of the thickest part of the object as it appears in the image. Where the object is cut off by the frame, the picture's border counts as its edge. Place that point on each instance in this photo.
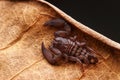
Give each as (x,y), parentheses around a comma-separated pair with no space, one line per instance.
(100,15)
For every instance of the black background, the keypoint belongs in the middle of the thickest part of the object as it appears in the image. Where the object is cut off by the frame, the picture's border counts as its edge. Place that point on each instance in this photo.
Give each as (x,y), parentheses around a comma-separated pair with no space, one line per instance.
(100,15)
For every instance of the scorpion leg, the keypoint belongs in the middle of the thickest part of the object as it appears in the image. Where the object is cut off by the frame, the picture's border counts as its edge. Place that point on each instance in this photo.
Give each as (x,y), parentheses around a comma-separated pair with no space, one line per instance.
(66,57)
(59,23)
(91,50)
(50,57)
(71,58)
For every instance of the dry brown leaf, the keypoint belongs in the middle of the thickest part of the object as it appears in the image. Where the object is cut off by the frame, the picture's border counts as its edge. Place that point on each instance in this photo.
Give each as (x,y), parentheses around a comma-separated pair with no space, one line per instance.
(21,35)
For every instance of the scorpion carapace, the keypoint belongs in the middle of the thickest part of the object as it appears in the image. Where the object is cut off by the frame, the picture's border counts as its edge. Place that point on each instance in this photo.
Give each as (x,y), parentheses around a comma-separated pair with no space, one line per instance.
(67,48)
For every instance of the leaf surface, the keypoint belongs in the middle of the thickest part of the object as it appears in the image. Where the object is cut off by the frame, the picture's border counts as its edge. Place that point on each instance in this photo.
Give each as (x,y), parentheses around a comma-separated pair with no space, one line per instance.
(21,35)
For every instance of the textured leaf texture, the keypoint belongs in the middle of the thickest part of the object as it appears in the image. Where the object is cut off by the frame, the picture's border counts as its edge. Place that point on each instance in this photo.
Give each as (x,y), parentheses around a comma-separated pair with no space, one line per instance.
(21,35)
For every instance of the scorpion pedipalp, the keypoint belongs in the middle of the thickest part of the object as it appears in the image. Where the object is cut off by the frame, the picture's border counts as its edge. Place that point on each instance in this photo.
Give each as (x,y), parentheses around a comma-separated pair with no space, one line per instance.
(47,54)
(59,23)
(50,57)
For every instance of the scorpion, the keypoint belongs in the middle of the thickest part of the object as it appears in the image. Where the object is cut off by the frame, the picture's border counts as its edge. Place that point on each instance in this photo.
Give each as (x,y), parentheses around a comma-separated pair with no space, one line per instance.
(67,48)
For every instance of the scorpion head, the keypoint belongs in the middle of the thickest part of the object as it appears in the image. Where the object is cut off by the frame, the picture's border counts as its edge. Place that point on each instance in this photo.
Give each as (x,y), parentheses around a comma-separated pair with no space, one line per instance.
(60,43)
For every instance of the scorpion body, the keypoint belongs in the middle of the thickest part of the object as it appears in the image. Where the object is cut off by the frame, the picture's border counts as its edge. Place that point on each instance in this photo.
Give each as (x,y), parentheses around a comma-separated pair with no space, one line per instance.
(75,49)
(67,48)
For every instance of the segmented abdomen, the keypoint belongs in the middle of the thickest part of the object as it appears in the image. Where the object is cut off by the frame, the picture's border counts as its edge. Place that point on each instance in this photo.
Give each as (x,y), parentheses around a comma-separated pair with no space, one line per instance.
(73,49)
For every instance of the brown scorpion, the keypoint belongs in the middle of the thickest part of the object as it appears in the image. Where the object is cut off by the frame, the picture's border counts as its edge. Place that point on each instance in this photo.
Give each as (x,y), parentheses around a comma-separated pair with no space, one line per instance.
(68,49)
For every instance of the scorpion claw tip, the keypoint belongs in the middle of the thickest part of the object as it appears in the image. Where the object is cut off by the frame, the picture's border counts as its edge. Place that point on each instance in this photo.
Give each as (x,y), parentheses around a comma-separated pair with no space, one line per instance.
(47,54)
(46,24)
(55,23)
